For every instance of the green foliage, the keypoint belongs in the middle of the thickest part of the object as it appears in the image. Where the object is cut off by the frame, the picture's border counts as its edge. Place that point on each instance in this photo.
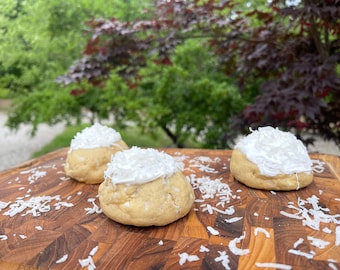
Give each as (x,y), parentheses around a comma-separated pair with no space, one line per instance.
(189,101)
(191,98)
(289,51)
(46,106)
(155,70)
(4,93)
(114,100)
(38,40)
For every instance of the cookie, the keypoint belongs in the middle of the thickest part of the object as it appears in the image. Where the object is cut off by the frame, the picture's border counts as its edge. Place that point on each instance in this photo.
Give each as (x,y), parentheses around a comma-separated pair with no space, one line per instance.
(145,187)
(271,159)
(248,173)
(90,152)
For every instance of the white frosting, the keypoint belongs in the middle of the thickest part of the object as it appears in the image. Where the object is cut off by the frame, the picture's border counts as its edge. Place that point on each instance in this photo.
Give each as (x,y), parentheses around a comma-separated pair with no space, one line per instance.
(138,166)
(94,137)
(275,152)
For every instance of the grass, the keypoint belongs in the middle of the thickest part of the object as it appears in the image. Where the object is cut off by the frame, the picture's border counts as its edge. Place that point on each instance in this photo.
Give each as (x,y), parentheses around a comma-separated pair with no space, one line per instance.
(133,136)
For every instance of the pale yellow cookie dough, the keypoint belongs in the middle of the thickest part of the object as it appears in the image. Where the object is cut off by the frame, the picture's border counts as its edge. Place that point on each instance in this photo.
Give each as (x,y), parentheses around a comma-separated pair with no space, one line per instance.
(88,165)
(248,173)
(158,202)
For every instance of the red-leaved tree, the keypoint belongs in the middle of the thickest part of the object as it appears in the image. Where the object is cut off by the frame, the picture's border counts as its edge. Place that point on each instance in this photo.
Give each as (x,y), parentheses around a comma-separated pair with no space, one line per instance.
(291,52)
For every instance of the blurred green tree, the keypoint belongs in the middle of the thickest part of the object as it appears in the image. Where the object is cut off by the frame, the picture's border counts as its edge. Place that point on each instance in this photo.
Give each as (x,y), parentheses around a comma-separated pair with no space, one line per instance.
(283,57)
(290,50)
(39,40)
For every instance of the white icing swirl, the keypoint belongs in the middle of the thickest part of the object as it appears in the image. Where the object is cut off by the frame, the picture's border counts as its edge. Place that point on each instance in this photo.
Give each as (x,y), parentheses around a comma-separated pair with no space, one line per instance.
(275,152)
(138,166)
(94,137)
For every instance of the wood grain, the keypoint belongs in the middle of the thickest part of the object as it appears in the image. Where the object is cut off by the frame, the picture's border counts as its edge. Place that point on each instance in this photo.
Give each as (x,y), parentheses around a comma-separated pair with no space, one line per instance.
(71,231)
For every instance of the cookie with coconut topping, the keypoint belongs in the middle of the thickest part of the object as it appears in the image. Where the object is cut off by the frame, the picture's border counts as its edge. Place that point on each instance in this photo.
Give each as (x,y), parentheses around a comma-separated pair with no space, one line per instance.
(145,187)
(90,152)
(271,159)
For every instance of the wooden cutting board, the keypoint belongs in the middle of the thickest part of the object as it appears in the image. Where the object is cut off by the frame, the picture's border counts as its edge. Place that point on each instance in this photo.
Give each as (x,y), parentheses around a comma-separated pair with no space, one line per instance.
(71,231)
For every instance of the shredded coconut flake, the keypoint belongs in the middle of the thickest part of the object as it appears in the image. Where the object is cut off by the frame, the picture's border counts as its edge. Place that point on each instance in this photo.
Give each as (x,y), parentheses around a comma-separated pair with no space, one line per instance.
(34,174)
(327,230)
(234,249)
(229,211)
(38,228)
(232,220)
(3,205)
(211,188)
(337,236)
(93,251)
(332,266)
(95,209)
(25,172)
(207,207)
(211,209)
(309,255)
(94,137)
(200,162)
(274,265)
(318,166)
(3,237)
(185,257)
(213,231)
(205,168)
(204,249)
(298,242)
(224,259)
(34,206)
(161,243)
(275,152)
(88,262)
(313,215)
(319,243)
(138,166)
(58,205)
(261,230)
(62,259)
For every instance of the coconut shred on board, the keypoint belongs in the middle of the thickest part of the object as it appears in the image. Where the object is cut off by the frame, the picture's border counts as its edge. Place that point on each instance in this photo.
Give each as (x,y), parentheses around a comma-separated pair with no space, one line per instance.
(36,173)
(40,204)
(35,206)
(313,216)
(209,186)
(88,262)
(311,213)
